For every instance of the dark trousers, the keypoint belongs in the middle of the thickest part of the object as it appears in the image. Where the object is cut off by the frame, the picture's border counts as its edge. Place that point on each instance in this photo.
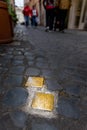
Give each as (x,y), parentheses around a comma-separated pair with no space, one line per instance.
(49,18)
(62,18)
(56,18)
(34,22)
(26,20)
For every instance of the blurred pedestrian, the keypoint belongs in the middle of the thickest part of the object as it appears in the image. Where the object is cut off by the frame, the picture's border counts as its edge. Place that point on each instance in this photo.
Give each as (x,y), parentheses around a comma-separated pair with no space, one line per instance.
(26,12)
(34,16)
(56,15)
(49,8)
(64,6)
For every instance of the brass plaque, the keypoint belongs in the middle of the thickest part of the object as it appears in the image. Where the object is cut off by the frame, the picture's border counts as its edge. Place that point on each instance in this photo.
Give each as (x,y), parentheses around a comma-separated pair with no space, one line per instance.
(43,101)
(35,82)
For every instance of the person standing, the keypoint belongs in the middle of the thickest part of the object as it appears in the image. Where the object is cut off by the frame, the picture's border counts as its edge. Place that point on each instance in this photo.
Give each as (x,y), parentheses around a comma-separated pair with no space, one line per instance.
(64,6)
(56,15)
(26,12)
(34,16)
(49,8)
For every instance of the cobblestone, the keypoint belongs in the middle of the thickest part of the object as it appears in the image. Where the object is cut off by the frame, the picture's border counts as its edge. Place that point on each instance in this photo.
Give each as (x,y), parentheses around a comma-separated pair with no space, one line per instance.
(12,80)
(68,109)
(32,71)
(19,118)
(15,97)
(42,126)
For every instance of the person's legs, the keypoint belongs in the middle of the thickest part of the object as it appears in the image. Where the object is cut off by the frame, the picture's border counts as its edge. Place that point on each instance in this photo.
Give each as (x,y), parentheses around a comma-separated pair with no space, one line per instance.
(47,20)
(26,20)
(51,20)
(36,23)
(63,14)
(33,20)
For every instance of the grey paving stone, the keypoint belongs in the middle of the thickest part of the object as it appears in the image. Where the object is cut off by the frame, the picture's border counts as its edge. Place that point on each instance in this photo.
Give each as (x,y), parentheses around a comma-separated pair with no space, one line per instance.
(42,64)
(17,52)
(62,76)
(1,86)
(19,118)
(68,108)
(12,81)
(17,70)
(32,71)
(4,61)
(1,69)
(54,66)
(43,126)
(73,90)
(16,43)
(30,58)
(28,48)
(7,124)
(27,53)
(10,49)
(19,57)
(41,59)
(22,49)
(40,53)
(47,73)
(52,84)
(10,52)
(8,56)
(15,97)
(4,69)
(17,62)
(30,63)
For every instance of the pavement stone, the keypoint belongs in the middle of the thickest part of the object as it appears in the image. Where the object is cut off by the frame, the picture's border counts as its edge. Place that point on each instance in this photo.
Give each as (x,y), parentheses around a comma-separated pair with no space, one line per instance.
(42,65)
(15,97)
(19,57)
(32,71)
(17,62)
(19,118)
(68,108)
(17,52)
(27,53)
(73,90)
(31,63)
(47,73)
(53,85)
(12,80)
(17,70)
(7,124)
(42,126)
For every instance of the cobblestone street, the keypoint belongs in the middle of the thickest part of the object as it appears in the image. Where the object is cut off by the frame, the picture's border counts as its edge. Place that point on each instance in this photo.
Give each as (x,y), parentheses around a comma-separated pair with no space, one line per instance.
(43,80)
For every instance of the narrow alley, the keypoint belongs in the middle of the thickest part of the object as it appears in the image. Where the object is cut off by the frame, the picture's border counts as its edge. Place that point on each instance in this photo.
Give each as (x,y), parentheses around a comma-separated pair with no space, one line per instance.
(43,80)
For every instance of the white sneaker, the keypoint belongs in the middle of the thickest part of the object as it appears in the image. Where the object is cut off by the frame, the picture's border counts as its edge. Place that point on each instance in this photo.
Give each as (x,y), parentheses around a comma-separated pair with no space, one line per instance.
(50,31)
(47,28)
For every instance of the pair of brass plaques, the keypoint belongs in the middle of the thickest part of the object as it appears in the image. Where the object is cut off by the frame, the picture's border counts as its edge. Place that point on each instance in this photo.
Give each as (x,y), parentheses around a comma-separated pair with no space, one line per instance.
(42,101)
